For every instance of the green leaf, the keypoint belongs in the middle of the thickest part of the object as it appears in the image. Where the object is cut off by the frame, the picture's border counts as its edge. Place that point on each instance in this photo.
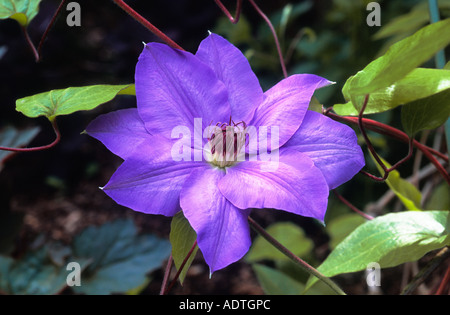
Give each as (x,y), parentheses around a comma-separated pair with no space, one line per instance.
(275,282)
(427,113)
(288,234)
(182,238)
(35,273)
(440,198)
(389,240)
(120,258)
(23,11)
(12,138)
(408,194)
(406,23)
(420,83)
(400,59)
(67,101)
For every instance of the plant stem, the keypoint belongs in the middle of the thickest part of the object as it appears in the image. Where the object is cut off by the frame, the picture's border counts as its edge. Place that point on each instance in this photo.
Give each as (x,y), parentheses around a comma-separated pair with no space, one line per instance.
(232,19)
(166,275)
(397,134)
(147,24)
(177,275)
(303,264)
(30,43)
(440,257)
(49,26)
(41,148)
(274,33)
(351,206)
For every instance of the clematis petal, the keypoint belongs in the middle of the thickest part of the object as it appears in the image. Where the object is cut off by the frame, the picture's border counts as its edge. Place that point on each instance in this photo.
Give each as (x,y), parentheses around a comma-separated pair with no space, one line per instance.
(121,131)
(223,233)
(332,146)
(296,185)
(150,181)
(285,105)
(173,87)
(233,69)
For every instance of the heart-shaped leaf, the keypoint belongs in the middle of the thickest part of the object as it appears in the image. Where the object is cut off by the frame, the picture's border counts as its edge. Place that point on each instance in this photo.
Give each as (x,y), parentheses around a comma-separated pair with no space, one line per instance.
(23,11)
(67,101)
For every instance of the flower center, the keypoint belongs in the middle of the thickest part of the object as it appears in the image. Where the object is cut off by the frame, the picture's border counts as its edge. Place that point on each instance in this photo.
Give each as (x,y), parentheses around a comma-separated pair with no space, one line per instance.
(227,143)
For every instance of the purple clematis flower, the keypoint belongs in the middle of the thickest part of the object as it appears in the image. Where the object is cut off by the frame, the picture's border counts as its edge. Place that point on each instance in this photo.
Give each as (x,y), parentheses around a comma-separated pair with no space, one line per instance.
(217,88)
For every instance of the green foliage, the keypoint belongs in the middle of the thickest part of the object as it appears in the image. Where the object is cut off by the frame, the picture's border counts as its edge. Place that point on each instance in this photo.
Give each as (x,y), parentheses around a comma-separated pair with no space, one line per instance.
(419,84)
(113,258)
(409,195)
(428,113)
(389,240)
(23,11)
(289,234)
(401,58)
(35,273)
(120,258)
(67,101)
(182,238)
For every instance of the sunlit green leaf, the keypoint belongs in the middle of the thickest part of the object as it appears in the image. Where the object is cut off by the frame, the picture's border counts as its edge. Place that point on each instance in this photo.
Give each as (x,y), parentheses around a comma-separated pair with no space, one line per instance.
(67,101)
(389,240)
(182,238)
(23,11)
(400,59)
(418,84)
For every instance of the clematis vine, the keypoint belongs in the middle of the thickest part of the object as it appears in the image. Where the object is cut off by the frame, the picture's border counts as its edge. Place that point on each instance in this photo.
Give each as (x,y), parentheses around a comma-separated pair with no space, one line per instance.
(215,95)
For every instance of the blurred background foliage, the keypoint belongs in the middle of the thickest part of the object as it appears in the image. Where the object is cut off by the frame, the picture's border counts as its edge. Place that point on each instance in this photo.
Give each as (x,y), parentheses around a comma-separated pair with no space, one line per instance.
(54,194)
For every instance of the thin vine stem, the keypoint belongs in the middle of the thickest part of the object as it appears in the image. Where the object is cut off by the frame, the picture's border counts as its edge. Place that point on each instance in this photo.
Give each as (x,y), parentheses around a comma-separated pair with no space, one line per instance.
(437,260)
(47,30)
(166,289)
(40,148)
(232,19)
(147,24)
(165,281)
(386,170)
(351,206)
(297,260)
(30,43)
(274,33)
(396,134)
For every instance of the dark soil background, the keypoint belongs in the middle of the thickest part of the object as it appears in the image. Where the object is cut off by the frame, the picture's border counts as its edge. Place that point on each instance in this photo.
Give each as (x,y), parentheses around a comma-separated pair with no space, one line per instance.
(57,190)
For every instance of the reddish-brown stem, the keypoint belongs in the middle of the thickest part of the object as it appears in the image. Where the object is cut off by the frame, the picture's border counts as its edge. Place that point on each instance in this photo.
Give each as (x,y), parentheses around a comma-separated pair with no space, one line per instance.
(147,24)
(30,43)
(444,282)
(166,275)
(386,170)
(166,289)
(177,275)
(396,134)
(274,33)
(41,148)
(232,19)
(351,206)
(49,26)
